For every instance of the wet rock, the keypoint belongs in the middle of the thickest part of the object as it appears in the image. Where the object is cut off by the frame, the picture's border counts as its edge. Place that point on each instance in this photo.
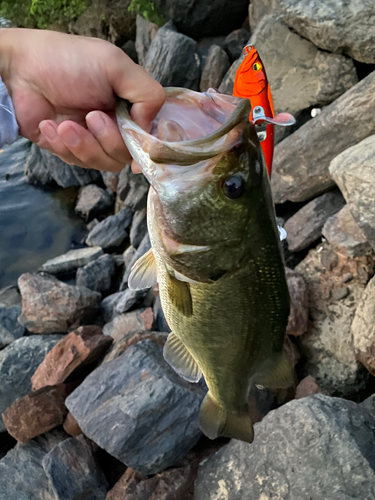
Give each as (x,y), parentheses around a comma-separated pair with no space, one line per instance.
(235,42)
(73,472)
(36,413)
(300,75)
(97,275)
(93,201)
(110,180)
(226,86)
(18,362)
(140,319)
(216,65)
(363,328)
(80,347)
(308,387)
(72,260)
(327,348)
(8,321)
(286,457)
(138,410)
(139,227)
(146,32)
(134,193)
(354,172)
(22,476)
(305,227)
(144,247)
(301,161)
(172,59)
(199,20)
(346,27)
(43,167)
(173,484)
(129,298)
(299,304)
(71,425)
(131,338)
(343,232)
(51,306)
(112,231)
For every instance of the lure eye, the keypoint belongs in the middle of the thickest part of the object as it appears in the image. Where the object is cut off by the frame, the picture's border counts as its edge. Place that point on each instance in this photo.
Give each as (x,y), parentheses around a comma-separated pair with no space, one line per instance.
(257,66)
(234,187)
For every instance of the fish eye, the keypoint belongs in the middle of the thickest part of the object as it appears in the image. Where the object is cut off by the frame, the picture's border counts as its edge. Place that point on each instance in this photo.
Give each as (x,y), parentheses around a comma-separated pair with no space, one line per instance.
(234,187)
(257,66)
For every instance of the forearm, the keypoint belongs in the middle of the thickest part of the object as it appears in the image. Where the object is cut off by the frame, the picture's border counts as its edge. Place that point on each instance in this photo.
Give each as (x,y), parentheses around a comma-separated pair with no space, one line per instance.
(8,123)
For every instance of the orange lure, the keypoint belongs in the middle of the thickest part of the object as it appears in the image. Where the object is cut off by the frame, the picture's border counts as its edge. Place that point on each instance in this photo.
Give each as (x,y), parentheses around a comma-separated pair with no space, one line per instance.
(251,82)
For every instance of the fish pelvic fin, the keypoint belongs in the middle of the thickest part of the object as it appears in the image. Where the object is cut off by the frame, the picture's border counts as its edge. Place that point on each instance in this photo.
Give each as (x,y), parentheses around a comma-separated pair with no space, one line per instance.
(279,377)
(179,294)
(143,274)
(180,359)
(215,421)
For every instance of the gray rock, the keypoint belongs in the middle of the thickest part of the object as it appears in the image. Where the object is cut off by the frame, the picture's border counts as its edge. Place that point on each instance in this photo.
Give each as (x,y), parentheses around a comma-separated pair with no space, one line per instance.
(97,275)
(299,303)
(43,167)
(204,45)
(135,196)
(139,227)
(72,260)
(51,306)
(204,19)
(123,185)
(299,74)
(128,322)
(217,64)
(110,180)
(235,42)
(172,59)
(22,476)
(327,348)
(10,296)
(128,299)
(301,161)
(128,256)
(369,404)
(138,410)
(112,231)
(226,86)
(9,320)
(335,25)
(260,8)
(146,32)
(107,307)
(305,226)
(354,172)
(308,449)
(93,201)
(6,338)
(18,363)
(142,249)
(128,339)
(73,473)
(343,232)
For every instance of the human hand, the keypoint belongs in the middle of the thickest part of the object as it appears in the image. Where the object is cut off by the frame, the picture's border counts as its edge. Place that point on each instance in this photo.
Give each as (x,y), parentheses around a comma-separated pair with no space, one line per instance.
(64,88)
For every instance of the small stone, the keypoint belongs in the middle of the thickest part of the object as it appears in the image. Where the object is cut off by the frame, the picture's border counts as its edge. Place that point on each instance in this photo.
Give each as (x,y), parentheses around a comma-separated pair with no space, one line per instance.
(93,201)
(123,185)
(72,260)
(50,306)
(305,227)
(36,413)
(131,338)
(226,86)
(80,347)
(308,387)
(71,425)
(235,42)
(136,192)
(10,296)
(140,319)
(144,247)
(111,232)
(129,299)
(90,226)
(299,304)
(6,338)
(97,275)
(128,256)
(347,277)
(217,64)
(139,227)
(9,321)
(340,293)
(110,180)
(145,33)
(107,307)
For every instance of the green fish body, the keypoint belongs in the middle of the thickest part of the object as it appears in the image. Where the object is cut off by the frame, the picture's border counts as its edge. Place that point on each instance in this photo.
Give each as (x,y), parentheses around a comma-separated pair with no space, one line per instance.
(215,253)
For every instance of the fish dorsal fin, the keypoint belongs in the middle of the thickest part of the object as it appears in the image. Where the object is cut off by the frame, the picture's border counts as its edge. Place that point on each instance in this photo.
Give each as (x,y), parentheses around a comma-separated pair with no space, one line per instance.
(280,377)
(143,274)
(179,294)
(183,363)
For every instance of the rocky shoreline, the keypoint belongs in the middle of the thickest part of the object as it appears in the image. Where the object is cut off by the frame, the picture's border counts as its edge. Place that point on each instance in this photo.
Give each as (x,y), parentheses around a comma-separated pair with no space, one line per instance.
(90,409)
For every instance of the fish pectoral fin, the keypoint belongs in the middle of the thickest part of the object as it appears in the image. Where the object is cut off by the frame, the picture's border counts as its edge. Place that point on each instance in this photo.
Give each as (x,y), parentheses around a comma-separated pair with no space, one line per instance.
(280,377)
(179,294)
(143,274)
(180,359)
(215,421)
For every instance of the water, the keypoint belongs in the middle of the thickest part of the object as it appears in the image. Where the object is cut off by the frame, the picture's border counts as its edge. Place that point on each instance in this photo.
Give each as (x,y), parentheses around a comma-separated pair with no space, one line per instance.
(35,224)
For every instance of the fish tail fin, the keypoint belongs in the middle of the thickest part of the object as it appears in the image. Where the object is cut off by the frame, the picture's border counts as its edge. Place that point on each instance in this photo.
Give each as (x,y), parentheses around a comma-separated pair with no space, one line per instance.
(215,421)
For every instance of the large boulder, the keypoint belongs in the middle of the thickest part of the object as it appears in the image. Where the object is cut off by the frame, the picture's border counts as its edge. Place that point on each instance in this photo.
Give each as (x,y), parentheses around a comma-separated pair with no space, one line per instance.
(309,449)
(301,161)
(217,64)
(93,201)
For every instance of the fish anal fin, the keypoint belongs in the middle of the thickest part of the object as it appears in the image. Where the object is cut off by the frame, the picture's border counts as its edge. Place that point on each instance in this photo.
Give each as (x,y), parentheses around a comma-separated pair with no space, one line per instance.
(177,355)
(279,377)
(143,274)
(179,295)
(215,421)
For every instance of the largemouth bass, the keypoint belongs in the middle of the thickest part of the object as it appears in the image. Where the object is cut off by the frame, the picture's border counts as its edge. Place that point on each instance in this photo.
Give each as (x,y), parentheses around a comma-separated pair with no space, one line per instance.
(215,251)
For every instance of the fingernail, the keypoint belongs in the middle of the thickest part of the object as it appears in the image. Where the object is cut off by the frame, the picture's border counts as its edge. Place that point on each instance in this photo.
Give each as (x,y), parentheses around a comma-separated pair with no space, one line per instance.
(70,138)
(96,124)
(48,131)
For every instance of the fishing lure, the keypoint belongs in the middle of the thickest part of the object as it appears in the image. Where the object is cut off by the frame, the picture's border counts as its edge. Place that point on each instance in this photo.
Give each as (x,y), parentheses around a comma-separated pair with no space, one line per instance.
(251,82)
